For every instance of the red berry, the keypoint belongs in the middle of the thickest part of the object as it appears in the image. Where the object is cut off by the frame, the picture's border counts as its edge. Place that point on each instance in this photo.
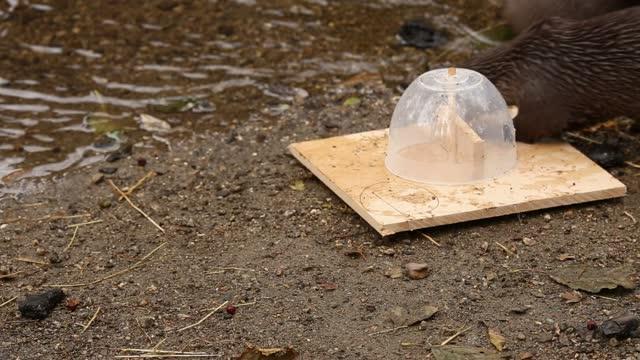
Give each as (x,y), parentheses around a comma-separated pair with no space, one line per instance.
(591,325)
(231,310)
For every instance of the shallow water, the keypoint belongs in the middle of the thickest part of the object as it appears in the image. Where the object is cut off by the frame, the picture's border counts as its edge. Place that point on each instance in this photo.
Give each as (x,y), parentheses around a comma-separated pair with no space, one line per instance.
(74,75)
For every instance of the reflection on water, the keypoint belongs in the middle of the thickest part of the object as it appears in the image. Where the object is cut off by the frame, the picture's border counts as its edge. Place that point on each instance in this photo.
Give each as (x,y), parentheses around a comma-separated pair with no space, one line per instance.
(72,72)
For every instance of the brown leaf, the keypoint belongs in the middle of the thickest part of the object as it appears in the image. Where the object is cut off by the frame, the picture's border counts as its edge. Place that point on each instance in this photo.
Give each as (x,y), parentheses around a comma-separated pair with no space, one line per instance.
(565,257)
(254,353)
(413,315)
(454,352)
(525,356)
(72,303)
(297,185)
(594,279)
(496,338)
(571,297)
(328,286)
(394,272)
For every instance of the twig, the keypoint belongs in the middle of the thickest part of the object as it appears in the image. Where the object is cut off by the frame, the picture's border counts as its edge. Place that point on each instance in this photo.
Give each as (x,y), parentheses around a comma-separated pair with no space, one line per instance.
(604,297)
(246,304)
(143,331)
(59,217)
(156,351)
(389,330)
(505,249)
(236,305)
(452,337)
(631,217)
(159,343)
(85,327)
(75,231)
(11,275)
(584,138)
(204,318)
(137,184)
(137,264)
(161,356)
(429,238)
(85,223)
(232,268)
(31,261)
(633,165)
(8,301)
(134,206)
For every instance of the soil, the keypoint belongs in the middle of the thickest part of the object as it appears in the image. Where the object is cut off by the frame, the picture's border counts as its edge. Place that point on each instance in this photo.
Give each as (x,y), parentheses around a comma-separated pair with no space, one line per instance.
(302,269)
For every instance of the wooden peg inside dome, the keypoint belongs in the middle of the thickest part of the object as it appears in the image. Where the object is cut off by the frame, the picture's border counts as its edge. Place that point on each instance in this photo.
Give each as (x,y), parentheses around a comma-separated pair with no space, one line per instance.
(452,71)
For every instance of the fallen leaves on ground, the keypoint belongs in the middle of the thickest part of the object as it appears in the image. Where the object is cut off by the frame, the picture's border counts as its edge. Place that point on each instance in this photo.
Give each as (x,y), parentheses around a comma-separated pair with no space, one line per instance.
(496,338)
(594,279)
(571,297)
(455,352)
(297,185)
(402,316)
(254,353)
(153,124)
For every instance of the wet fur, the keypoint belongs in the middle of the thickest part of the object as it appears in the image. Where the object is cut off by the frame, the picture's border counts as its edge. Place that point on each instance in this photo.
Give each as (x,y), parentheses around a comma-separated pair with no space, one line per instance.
(562,72)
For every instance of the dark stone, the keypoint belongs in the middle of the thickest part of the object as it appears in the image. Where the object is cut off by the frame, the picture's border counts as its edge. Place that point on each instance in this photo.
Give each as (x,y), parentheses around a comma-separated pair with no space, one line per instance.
(108,170)
(39,306)
(620,327)
(121,153)
(418,34)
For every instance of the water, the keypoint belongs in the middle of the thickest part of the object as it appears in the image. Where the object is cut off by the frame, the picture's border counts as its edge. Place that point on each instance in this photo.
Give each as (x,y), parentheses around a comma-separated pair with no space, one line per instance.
(86,71)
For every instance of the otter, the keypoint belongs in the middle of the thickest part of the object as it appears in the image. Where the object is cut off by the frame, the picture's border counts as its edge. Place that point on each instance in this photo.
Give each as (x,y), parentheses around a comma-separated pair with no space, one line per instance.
(563,71)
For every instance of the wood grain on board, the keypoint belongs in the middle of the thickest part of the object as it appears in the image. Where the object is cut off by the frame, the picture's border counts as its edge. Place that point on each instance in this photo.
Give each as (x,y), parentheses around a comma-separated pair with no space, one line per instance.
(547,175)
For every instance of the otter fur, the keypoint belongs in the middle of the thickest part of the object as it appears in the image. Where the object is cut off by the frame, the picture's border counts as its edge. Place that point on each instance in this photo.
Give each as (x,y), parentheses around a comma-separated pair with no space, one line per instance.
(562,72)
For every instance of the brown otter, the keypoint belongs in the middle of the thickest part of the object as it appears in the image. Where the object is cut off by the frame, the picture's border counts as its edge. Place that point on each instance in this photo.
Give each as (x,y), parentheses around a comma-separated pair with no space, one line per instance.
(563,71)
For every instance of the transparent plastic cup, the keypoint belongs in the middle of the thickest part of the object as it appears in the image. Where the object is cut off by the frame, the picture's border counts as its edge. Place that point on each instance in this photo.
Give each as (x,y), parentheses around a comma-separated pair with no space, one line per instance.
(451,126)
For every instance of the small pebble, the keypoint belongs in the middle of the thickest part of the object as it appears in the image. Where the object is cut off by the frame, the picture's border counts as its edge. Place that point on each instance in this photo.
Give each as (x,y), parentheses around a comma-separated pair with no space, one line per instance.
(108,170)
(417,271)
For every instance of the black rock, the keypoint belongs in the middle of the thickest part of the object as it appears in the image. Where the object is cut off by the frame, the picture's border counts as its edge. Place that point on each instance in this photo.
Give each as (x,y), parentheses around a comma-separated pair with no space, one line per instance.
(620,327)
(108,170)
(418,34)
(39,306)
(121,153)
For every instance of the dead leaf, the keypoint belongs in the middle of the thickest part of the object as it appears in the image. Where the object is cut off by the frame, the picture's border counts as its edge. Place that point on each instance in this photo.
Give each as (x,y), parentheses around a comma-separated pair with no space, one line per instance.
(297,185)
(254,353)
(328,286)
(525,356)
(594,279)
(72,303)
(394,272)
(571,297)
(496,338)
(401,316)
(153,124)
(528,241)
(455,352)
(565,257)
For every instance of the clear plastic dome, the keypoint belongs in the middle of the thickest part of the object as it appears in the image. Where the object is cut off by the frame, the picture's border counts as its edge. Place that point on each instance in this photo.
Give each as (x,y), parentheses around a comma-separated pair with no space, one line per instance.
(451,126)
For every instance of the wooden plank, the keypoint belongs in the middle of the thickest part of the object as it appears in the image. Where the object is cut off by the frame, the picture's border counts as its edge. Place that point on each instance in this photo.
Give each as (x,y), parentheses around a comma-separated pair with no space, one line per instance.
(547,175)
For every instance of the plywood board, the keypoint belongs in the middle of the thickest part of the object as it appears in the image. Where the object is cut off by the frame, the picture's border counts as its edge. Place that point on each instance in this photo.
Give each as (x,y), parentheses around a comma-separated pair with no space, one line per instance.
(547,175)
